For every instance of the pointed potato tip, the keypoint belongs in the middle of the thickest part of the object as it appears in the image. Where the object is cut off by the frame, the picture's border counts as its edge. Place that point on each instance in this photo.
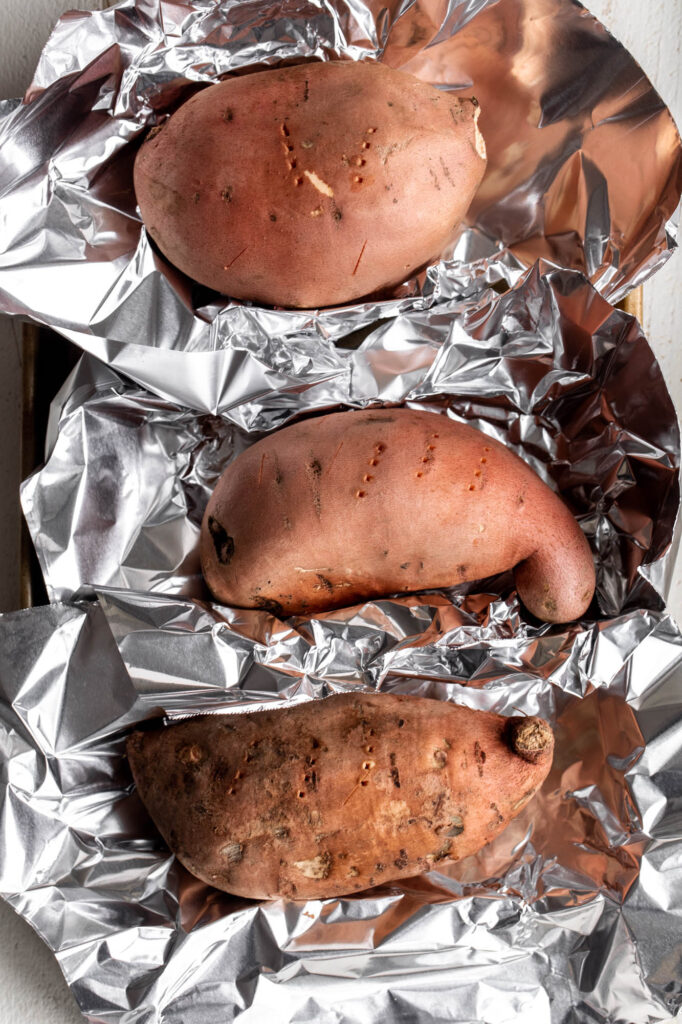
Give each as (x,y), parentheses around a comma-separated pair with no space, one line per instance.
(530,738)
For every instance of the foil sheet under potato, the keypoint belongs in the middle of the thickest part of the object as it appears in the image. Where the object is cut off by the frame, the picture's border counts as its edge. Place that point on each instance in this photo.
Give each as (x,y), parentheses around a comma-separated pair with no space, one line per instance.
(584,168)
(572,915)
(568,915)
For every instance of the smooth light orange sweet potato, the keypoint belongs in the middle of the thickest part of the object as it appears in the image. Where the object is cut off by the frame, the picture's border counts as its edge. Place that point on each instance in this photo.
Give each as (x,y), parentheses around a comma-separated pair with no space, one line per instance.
(333,796)
(311,185)
(356,505)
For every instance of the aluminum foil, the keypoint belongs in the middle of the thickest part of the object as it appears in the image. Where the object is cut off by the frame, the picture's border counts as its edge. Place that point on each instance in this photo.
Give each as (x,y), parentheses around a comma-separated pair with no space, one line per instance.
(571,915)
(549,369)
(565,111)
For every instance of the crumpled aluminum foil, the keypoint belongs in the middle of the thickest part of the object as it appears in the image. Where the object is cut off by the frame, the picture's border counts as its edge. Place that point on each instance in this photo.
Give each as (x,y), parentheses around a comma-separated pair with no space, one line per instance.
(565,110)
(550,369)
(567,917)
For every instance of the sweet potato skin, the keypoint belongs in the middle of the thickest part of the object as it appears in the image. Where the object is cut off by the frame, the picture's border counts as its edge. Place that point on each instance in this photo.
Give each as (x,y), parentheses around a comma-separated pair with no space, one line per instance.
(358,505)
(333,796)
(312,185)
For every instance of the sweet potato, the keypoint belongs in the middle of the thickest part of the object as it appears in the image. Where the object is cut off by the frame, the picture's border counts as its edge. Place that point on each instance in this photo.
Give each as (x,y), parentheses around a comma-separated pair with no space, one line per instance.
(312,185)
(333,796)
(355,505)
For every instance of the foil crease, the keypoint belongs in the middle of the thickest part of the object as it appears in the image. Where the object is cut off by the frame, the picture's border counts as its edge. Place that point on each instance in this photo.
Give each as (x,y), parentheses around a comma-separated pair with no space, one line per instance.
(550,369)
(566,917)
(564,110)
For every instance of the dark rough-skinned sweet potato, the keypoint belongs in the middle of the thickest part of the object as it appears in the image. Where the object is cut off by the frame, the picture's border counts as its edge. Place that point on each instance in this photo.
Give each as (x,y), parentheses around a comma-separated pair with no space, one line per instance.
(356,505)
(312,185)
(333,796)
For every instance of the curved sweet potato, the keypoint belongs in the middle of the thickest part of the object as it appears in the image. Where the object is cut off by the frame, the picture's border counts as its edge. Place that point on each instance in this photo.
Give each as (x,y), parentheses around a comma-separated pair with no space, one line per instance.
(358,505)
(333,796)
(311,185)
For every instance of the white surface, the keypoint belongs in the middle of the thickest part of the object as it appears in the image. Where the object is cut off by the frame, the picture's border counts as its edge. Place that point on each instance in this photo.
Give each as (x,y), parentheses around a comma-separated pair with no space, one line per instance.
(32,990)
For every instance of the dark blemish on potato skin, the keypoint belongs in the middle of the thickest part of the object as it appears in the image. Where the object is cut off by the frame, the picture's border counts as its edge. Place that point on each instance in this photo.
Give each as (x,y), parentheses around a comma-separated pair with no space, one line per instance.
(267,604)
(228,114)
(273,217)
(438,803)
(314,471)
(326,583)
(404,565)
(402,860)
(435,179)
(222,542)
(395,774)
(226,194)
(443,852)
(220,771)
(479,757)
(446,170)
(337,215)
(385,553)
(196,197)
(462,570)
(153,132)
(500,816)
(306,91)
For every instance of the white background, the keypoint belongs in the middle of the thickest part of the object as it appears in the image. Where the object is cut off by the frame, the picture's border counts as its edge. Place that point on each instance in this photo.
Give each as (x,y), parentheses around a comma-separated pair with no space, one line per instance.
(32,990)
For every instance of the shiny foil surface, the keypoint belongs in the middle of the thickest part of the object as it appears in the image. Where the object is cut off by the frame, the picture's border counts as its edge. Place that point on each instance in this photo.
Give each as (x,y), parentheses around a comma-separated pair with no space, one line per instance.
(571,915)
(584,167)
(550,369)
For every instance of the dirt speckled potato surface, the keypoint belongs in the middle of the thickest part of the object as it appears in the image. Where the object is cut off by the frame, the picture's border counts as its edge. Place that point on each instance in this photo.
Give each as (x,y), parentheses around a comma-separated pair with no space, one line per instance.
(312,185)
(357,505)
(333,796)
